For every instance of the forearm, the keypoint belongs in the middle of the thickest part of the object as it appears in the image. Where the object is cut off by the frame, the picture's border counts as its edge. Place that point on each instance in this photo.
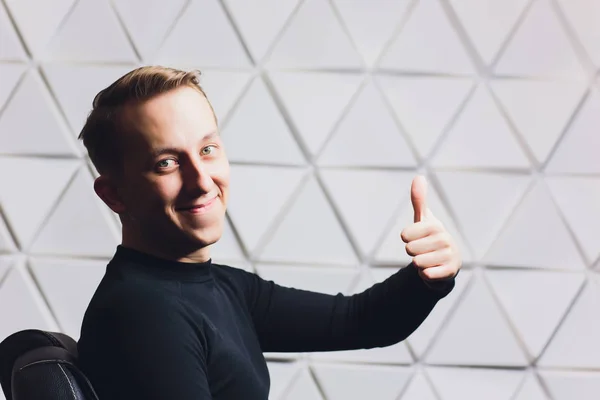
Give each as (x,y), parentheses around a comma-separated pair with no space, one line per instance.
(292,320)
(388,312)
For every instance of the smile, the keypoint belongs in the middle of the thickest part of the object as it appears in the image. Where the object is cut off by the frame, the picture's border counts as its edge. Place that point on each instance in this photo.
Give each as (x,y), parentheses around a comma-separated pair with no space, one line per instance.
(200,208)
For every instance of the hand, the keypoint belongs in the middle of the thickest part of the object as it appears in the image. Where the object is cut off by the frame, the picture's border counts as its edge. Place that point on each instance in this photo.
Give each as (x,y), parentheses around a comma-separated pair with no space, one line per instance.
(434,251)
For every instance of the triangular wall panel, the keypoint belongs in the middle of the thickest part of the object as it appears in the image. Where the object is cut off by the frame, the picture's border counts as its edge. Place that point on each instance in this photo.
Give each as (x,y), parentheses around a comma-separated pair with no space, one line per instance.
(315,101)
(540,47)
(367,136)
(419,389)
(535,236)
(569,385)
(281,375)
(68,301)
(364,281)
(581,139)
(31,313)
(535,317)
(6,262)
(259,194)
(75,87)
(23,208)
(422,338)
(488,23)
(314,39)
(37,21)
(257,133)
(10,45)
(488,340)
(223,88)
(540,110)
(259,29)
(491,142)
(578,199)
(7,244)
(303,388)
(356,382)
(79,225)
(148,21)
(203,37)
(296,240)
(91,33)
(44,134)
(322,104)
(531,389)
(425,106)
(565,352)
(366,199)
(582,17)
(482,201)
(395,354)
(11,75)
(227,248)
(371,24)
(428,43)
(475,383)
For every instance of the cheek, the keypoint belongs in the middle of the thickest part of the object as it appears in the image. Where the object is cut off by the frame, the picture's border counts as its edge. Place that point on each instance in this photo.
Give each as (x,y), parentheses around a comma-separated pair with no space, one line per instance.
(167,191)
(156,194)
(220,177)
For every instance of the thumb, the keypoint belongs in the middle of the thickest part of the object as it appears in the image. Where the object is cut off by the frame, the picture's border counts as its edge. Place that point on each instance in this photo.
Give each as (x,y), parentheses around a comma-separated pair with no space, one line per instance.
(418,195)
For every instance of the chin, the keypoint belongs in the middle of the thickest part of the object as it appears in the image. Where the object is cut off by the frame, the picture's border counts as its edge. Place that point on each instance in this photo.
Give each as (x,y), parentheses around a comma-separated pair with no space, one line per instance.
(206,237)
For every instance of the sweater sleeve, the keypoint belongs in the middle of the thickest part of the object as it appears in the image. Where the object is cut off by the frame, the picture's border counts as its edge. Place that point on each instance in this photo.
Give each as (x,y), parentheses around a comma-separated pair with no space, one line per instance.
(140,347)
(293,320)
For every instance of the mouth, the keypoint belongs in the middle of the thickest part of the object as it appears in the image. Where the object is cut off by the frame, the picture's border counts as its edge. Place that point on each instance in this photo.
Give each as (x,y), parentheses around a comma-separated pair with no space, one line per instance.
(200,208)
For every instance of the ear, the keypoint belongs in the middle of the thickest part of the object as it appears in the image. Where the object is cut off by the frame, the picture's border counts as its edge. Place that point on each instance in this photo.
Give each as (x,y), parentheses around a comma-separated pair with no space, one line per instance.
(107,190)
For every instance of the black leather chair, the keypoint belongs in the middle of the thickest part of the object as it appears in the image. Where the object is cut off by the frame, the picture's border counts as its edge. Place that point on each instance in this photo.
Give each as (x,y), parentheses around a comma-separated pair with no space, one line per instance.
(40,365)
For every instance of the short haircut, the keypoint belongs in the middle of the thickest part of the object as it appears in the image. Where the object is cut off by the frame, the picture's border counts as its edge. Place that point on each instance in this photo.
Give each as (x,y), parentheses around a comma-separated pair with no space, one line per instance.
(103,127)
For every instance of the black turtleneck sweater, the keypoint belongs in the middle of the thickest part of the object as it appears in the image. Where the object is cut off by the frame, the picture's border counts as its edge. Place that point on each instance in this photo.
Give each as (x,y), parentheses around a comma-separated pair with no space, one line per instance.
(159,329)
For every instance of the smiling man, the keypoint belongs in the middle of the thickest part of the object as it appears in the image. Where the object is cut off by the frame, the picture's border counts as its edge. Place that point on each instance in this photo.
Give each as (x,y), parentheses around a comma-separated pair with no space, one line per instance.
(168,323)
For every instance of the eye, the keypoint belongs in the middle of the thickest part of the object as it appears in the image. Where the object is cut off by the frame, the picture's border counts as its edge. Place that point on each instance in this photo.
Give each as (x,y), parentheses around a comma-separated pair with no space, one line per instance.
(208,150)
(165,163)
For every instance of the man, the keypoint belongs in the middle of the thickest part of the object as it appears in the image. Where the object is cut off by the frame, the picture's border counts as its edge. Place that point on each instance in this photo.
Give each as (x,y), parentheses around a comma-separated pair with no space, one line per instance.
(166,322)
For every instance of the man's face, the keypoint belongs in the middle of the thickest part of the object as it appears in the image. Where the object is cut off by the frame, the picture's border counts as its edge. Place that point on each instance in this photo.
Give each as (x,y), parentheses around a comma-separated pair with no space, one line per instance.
(175,178)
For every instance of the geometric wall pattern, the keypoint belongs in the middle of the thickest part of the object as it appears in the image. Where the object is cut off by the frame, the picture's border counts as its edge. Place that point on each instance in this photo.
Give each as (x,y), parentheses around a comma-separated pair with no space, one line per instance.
(328,108)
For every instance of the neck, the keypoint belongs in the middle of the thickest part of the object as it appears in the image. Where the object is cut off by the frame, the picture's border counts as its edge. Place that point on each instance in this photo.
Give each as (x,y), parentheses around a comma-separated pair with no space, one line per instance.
(174,252)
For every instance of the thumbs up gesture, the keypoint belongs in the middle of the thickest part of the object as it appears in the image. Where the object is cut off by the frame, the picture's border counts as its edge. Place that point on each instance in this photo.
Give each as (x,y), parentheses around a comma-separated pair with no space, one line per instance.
(434,251)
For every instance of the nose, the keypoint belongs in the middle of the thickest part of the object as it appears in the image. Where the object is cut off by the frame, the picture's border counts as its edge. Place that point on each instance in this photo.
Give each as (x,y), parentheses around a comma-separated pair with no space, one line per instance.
(196,177)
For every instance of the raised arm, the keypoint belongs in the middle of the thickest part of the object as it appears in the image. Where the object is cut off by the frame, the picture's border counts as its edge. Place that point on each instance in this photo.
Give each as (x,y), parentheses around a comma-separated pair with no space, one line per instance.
(292,320)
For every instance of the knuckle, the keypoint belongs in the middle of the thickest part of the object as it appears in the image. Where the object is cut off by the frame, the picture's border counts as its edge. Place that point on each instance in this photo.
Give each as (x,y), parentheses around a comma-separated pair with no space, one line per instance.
(448,253)
(443,240)
(440,241)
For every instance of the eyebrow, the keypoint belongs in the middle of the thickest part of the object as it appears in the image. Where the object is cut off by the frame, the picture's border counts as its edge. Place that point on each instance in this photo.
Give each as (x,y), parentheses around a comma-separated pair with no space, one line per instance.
(173,150)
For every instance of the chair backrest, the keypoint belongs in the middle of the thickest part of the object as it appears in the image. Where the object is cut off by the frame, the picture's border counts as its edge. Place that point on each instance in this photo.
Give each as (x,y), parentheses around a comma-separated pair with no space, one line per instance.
(40,365)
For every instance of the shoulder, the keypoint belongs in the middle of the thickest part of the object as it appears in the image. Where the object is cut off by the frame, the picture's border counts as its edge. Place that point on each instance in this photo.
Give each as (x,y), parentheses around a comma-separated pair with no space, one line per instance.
(236,275)
(131,305)
(242,283)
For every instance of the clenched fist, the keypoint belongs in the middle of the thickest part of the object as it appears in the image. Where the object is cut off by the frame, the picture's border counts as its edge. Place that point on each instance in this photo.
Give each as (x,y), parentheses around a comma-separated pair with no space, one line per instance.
(434,251)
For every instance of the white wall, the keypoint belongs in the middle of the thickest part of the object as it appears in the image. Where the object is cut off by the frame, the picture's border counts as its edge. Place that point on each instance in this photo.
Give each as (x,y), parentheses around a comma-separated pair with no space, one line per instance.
(328,109)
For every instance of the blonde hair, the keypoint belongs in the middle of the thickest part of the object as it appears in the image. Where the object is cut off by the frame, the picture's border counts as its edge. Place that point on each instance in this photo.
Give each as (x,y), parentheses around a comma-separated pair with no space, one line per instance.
(101,131)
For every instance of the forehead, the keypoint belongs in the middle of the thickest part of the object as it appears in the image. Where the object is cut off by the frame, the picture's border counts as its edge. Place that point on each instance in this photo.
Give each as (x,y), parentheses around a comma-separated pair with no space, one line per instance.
(180,118)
